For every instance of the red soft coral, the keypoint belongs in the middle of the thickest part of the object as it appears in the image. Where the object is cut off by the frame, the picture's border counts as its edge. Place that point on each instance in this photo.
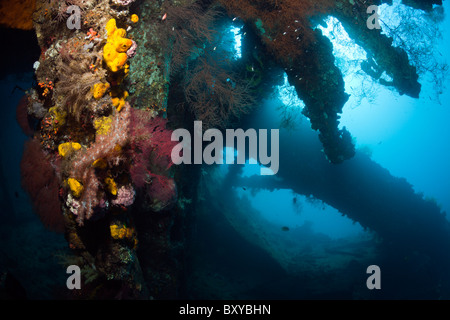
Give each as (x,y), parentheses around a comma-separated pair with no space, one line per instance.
(105,147)
(150,152)
(39,179)
(151,146)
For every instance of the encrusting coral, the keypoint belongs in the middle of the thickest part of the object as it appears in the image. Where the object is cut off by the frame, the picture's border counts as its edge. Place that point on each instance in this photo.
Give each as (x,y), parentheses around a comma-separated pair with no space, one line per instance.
(84,140)
(75,186)
(99,90)
(66,148)
(107,146)
(98,164)
(111,186)
(118,98)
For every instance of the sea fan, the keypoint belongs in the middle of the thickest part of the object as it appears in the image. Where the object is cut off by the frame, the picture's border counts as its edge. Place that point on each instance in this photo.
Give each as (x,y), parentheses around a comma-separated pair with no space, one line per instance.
(39,179)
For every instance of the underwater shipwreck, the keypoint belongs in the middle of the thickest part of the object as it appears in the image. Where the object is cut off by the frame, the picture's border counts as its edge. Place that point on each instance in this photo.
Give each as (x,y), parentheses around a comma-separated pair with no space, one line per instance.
(111,81)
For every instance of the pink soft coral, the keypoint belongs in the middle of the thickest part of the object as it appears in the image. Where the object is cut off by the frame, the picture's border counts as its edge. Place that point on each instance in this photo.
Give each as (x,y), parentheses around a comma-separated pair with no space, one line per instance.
(125,196)
(151,146)
(105,147)
(150,152)
(132,51)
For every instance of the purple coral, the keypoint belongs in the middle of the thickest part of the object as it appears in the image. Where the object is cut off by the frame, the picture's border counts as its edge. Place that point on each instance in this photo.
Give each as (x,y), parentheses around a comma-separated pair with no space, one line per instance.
(132,51)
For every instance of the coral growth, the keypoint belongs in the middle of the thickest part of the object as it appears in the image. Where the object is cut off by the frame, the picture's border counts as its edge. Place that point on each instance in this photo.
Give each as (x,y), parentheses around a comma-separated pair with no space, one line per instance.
(102,151)
(125,196)
(120,232)
(35,106)
(118,98)
(99,90)
(111,186)
(75,187)
(123,2)
(115,50)
(107,146)
(287,29)
(150,146)
(76,80)
(39,179)
(67,148)
(132,51)
(102,125)
(82,101)
(185,30)
(215,94)
(150,153)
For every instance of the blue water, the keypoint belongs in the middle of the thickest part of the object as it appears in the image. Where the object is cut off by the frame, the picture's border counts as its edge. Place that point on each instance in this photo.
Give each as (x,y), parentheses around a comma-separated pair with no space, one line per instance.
(409,137)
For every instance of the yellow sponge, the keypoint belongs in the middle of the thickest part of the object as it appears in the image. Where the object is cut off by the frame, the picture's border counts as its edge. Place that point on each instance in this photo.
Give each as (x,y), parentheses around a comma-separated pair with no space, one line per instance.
(100,163)
(75,186)
(99,90)
(103,125)
(111,185)
(114,51)
(118,99)
(68,147)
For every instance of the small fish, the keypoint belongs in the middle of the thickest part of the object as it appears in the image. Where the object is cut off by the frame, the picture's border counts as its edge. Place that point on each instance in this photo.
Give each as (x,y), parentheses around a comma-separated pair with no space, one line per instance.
(284,228)
(164,17)
(244,188)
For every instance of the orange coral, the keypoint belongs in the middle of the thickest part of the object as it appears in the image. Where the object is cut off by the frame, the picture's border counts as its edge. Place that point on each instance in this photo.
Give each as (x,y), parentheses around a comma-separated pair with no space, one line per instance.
(46,86)
(92,34)
(134,18)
